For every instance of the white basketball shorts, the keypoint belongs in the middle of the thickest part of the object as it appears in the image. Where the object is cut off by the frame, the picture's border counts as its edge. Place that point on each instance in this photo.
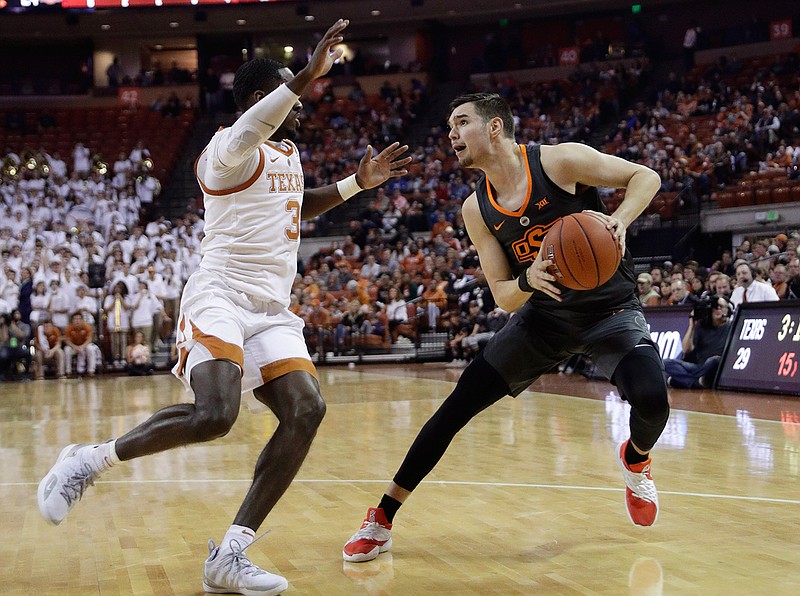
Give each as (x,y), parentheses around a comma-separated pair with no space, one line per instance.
(216,322)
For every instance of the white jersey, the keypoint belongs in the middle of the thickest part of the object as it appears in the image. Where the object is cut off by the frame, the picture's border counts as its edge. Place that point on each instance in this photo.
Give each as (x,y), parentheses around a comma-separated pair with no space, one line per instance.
(252,229)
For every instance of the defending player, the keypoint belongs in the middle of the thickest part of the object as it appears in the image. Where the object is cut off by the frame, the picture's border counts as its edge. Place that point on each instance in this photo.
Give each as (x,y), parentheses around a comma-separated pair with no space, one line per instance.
(235,332)
(524,191)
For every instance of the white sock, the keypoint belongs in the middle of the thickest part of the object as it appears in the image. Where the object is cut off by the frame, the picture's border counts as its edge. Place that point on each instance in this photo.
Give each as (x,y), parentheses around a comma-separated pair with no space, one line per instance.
(103,456)
(242,534)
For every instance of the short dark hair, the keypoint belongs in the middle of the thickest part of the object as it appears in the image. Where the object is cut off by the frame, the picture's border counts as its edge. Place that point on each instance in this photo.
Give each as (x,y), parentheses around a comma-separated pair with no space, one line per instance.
(252,76)
(488,106)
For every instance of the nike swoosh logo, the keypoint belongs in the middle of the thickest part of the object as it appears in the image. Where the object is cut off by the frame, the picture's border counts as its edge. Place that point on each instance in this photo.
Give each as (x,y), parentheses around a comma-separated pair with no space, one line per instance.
(273,160)
(51,483)
(500,225)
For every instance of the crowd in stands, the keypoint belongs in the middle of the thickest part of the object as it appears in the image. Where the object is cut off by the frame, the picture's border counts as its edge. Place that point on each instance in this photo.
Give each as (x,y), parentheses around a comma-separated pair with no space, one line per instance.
(76,263)
(719,123)
(83,253)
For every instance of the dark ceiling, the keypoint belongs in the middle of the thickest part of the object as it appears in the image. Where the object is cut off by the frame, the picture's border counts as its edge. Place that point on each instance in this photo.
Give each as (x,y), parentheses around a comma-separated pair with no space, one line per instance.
(285,17)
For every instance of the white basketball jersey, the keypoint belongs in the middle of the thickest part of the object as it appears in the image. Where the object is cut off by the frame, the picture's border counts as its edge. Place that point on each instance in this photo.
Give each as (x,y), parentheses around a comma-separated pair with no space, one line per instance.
(252,231)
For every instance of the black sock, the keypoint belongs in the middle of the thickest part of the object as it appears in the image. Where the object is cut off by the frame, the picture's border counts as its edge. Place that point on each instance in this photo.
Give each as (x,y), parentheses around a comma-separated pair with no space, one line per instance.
(633,457)
(389,506)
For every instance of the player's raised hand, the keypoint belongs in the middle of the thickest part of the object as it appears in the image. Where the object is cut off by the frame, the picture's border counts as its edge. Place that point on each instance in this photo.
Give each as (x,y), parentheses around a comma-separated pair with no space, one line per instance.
(324,55)
(377,169)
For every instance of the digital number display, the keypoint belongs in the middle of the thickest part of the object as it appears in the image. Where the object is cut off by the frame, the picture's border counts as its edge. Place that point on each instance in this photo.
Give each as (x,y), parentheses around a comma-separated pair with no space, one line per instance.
(763,349)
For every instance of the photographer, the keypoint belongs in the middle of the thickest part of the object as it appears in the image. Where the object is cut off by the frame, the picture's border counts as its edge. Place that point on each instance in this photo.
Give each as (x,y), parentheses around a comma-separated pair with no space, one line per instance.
(703,344)
(15,359)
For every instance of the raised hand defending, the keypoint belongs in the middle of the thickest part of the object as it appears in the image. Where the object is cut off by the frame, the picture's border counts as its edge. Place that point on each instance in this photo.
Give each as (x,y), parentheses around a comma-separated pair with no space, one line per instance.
(322,59)
(375,170)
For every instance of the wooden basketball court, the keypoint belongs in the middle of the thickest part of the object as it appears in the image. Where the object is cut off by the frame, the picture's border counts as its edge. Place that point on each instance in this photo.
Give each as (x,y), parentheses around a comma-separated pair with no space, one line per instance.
(527,500)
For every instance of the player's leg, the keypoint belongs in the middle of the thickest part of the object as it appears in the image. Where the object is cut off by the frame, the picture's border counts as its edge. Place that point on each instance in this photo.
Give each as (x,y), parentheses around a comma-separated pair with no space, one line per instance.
(479,387)
(278,369)
(211,341)
(640,379)
(217,391)
(217,397)
(295,400)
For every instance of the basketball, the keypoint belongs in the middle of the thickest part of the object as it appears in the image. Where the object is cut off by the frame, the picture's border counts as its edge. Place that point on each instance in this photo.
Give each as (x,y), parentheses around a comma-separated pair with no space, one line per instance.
(584,252)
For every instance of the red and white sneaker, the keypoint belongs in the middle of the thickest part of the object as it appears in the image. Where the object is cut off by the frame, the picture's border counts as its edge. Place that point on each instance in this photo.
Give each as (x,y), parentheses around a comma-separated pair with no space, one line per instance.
(641,496)
(373,538)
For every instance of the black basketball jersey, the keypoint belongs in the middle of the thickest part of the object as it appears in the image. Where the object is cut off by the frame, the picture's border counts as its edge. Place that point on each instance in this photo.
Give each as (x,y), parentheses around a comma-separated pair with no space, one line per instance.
(521,233)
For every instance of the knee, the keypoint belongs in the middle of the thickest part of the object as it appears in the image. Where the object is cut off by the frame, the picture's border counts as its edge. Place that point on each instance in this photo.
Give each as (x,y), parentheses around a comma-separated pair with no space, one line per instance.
(652,405)
(210,424)
(306,414)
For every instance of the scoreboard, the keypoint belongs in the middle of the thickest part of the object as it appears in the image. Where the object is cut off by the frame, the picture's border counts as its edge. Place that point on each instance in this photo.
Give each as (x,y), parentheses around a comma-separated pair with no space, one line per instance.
(763,349)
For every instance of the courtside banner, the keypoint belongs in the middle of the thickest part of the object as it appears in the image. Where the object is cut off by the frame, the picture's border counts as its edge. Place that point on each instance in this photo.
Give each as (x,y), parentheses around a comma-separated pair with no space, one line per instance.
(667,325)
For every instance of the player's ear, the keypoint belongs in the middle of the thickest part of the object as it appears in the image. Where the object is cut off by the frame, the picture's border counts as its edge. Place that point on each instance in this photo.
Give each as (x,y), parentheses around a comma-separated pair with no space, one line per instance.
(496,127)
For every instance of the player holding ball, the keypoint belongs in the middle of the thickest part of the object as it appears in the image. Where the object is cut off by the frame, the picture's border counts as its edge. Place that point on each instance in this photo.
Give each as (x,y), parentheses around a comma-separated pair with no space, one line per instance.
(524,192)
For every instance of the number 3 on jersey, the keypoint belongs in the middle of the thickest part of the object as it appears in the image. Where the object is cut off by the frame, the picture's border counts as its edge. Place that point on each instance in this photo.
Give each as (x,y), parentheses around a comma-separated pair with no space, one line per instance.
(293,231)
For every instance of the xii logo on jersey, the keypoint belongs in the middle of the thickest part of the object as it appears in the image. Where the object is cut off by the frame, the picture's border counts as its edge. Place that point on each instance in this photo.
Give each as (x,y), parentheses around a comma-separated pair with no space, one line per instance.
(526,248)
(543,203)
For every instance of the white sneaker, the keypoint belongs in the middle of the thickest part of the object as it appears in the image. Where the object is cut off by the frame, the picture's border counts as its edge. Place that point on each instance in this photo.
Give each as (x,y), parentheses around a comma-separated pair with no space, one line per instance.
(229,571)
(64,484)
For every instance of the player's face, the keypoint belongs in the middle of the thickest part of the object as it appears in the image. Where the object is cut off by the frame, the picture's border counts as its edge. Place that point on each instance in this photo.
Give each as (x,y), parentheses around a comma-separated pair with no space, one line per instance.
(289,126)
(467,134)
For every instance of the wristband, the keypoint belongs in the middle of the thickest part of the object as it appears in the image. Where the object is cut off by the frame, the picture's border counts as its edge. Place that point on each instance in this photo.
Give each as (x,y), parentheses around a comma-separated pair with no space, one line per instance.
(522,282)
(348,187)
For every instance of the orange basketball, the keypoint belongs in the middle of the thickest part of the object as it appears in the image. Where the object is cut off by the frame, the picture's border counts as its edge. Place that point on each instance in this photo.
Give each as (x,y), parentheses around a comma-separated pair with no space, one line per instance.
(584,252)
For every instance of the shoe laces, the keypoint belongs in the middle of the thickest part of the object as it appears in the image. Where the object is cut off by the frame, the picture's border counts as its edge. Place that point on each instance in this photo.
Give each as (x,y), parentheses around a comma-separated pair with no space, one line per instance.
(368,530)
(236,561)
(77,482)
(642,485)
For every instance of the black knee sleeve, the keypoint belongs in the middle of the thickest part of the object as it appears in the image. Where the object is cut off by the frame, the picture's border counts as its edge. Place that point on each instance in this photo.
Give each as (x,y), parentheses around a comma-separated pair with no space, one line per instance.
(640,380)
(479,387)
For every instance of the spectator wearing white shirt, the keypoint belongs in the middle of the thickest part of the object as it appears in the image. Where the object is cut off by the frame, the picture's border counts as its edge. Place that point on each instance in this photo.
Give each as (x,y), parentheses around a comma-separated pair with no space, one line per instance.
(70,282)
(155,227)
(51,272)
(18,222)
(140,262)
(40,300)
(370,269)
(192,261)
(9,289)
(117,307)
(147,188)
(138,154)
(749,290)
(80,160)
(84,304)
(172,294)
(122,169)
(58,167)
(144,308)
(123,274)
(59,304)
(14,259)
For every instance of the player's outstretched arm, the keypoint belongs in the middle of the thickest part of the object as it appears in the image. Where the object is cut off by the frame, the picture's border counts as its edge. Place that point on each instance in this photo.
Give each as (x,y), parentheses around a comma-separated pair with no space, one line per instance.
(268,111)
(373,170)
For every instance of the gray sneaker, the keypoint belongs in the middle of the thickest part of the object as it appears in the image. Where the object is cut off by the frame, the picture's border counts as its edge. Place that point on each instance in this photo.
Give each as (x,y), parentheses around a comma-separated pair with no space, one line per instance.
(229,571)
(65,483)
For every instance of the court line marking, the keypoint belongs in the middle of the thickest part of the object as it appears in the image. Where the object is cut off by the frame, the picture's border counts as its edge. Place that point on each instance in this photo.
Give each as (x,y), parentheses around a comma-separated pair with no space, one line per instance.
(440,483)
